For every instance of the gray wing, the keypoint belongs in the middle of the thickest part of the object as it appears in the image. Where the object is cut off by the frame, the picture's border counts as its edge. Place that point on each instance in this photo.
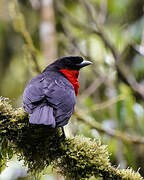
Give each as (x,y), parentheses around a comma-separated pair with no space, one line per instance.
(61,97)
(49,101)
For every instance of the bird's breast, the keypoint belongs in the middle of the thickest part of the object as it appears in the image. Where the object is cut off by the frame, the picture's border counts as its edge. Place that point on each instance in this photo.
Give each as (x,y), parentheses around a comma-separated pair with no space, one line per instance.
(72,76)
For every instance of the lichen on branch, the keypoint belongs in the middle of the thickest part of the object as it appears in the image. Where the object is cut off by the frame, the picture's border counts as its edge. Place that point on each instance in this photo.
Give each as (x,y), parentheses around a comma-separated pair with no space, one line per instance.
(39,146)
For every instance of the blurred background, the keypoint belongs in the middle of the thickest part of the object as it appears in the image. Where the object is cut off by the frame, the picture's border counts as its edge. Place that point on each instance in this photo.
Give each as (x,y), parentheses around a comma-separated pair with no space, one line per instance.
(110,33)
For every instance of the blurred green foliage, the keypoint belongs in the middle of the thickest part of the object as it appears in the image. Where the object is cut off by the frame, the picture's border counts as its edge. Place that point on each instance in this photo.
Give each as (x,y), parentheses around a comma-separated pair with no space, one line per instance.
(123,24)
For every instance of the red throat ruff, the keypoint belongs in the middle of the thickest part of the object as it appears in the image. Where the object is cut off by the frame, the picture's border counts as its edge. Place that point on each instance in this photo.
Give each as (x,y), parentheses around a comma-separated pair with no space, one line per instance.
(72,76)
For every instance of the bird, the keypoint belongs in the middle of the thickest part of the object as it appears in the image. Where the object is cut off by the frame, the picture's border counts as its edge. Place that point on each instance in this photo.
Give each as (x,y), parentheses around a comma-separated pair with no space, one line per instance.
(50,97)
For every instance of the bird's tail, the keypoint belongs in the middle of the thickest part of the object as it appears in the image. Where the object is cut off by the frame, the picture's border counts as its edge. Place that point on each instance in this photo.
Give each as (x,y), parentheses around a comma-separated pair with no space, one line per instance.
(43,115)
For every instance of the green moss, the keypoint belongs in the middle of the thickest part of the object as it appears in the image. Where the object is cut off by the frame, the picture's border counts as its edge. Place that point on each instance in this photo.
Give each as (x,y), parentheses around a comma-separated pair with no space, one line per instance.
(39,146)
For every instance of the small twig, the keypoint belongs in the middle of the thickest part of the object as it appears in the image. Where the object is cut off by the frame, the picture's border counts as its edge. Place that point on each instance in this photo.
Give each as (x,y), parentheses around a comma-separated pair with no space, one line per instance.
(73,40)
(103,11)
(91,28)
(105,104)
(111,132)
(93,86)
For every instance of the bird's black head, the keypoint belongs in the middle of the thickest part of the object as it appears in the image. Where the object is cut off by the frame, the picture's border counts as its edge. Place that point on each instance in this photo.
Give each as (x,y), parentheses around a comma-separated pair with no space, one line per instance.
(69,62)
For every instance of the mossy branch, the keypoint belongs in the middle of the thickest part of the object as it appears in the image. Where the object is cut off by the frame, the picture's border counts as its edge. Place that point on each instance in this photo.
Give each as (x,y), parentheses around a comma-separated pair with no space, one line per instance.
(75,158)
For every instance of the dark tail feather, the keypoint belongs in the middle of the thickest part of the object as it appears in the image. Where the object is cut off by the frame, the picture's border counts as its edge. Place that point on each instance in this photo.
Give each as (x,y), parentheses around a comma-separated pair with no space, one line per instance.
(43,115)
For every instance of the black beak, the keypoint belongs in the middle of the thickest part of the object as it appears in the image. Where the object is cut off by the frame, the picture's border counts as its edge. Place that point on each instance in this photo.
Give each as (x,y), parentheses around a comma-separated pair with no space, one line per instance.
(83,64)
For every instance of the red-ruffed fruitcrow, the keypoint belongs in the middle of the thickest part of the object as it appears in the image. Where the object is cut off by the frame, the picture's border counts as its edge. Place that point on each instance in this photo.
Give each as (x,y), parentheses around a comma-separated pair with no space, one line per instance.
(50,97)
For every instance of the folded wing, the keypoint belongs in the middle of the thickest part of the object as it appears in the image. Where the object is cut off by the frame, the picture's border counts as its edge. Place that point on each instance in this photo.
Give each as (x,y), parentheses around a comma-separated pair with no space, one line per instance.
(49,101)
